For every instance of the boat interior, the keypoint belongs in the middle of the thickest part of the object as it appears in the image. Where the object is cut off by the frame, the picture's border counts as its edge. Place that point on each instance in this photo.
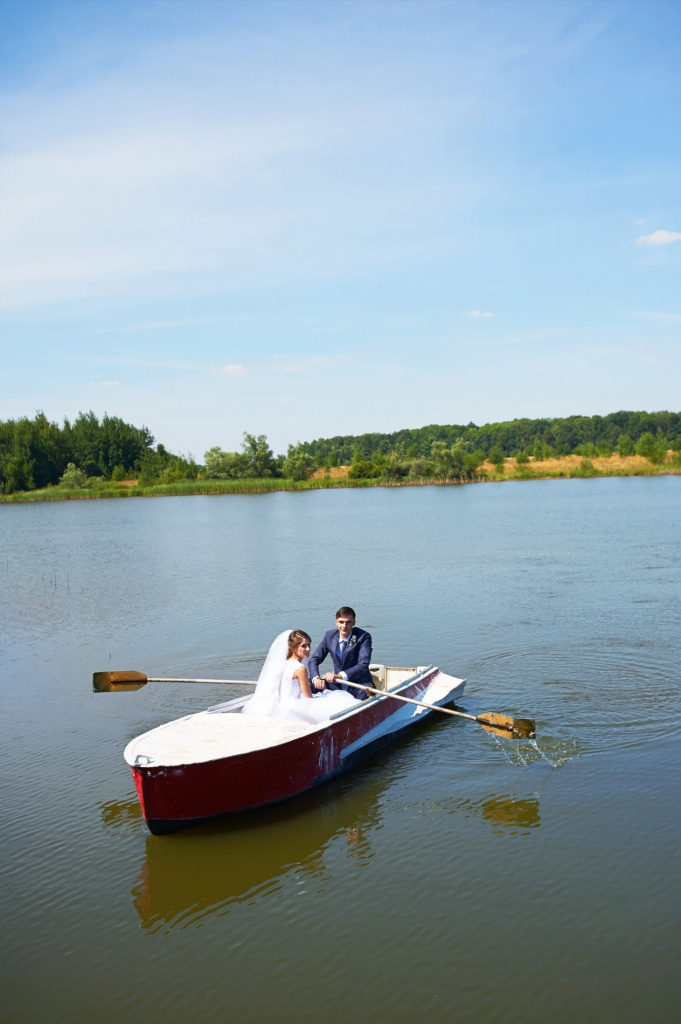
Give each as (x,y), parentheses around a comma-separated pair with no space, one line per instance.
(387,678)
(384,677)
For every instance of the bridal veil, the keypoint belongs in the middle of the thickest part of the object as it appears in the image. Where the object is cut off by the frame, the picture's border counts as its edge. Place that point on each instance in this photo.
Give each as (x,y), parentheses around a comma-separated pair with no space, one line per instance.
(267,696)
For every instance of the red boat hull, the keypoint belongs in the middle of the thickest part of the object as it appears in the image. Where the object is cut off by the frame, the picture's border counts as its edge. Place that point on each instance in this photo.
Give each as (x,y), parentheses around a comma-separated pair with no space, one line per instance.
(179,797)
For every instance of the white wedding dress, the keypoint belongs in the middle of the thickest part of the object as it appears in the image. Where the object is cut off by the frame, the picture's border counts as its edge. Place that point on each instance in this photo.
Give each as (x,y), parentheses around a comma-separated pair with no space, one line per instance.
(278,694)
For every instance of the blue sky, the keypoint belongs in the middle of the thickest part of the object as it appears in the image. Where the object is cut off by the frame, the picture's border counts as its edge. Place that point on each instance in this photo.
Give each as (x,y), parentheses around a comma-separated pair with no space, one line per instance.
(312,218)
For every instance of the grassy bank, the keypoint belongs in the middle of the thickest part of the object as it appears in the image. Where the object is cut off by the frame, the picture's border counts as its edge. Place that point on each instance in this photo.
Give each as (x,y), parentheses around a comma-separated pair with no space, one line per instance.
(127,490)
(570,466)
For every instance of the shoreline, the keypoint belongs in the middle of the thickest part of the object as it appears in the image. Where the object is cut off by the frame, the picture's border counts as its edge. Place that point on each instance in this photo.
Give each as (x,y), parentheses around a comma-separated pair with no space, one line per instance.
(575,469)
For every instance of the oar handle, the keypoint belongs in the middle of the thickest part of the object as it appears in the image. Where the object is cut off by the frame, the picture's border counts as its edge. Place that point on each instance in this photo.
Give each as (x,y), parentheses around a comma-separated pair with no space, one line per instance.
(246,682)
(410,700)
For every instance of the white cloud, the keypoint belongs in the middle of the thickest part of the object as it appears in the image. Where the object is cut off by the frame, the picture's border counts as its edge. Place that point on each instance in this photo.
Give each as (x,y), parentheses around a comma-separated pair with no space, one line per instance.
(104,384)
(231,370)
(476,313)
(306,364)
(154,326)
(670,318)
(203,176)
(659,238)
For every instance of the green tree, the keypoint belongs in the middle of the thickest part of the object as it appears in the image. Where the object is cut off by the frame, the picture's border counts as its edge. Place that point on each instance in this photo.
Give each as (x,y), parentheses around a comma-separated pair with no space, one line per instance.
(260,461)
(625,446)
(86,443)
(588,450)
(161,466)
(298,464)
(496,457)
(171,475)
(394,468)
(442,459)
(652,448)
(361,469)
(18,471)
(73,477)
(472,463)
(219,465)
(421,469)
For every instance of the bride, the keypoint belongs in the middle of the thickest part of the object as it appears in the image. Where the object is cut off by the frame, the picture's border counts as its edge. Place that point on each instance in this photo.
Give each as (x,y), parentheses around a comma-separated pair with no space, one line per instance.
(283,688)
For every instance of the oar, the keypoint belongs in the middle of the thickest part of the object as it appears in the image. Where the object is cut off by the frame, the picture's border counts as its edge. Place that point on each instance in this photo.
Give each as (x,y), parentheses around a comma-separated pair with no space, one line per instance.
(116,682)
(521,727)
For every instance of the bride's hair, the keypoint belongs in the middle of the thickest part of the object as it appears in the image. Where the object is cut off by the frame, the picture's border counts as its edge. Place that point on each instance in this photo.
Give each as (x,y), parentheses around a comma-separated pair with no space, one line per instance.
(295,639)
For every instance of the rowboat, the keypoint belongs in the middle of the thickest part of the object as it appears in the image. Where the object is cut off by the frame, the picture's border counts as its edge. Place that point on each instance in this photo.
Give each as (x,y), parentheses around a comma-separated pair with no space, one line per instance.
(219,762)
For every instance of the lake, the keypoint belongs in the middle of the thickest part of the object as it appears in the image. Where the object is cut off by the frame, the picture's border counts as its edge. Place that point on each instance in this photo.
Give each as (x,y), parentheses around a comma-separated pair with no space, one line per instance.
(455,875)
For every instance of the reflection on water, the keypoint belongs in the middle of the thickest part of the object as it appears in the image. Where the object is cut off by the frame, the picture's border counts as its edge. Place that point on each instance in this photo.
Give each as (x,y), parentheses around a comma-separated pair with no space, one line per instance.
(203,872)
(189,876)
(121,814)
(508,812)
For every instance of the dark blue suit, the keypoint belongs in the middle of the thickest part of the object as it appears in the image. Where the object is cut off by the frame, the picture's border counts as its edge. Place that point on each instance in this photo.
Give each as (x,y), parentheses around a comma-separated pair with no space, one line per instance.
(355,662)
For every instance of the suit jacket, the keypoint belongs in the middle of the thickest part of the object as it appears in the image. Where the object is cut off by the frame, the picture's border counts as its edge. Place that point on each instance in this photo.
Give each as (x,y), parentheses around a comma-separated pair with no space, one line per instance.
(355,662)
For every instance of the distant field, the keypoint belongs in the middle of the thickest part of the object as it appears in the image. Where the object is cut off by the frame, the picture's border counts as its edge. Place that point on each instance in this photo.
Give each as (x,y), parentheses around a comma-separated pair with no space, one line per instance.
(570,465)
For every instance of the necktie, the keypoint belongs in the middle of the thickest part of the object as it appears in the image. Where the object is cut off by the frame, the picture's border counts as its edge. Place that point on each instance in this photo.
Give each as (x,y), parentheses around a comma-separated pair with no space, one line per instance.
(341,648)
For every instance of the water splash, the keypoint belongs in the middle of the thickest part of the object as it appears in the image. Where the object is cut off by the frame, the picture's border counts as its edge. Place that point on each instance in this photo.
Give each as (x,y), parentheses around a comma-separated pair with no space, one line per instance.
(555,752)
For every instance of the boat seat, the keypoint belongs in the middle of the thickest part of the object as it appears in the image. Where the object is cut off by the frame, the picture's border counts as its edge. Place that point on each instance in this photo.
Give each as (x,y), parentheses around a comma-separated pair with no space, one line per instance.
(378,676)
(386,677)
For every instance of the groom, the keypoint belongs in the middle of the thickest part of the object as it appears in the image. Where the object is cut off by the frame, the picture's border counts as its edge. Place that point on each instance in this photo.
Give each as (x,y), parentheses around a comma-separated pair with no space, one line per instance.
(350,650)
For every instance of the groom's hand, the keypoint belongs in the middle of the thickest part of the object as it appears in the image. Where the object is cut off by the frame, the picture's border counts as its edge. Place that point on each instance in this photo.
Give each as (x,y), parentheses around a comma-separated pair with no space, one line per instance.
(330,677)
(318,683)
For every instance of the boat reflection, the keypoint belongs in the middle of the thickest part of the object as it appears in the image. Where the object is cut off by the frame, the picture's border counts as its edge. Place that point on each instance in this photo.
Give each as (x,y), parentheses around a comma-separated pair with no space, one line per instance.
(206,870)
(508,812)
(121,814)
(503,811)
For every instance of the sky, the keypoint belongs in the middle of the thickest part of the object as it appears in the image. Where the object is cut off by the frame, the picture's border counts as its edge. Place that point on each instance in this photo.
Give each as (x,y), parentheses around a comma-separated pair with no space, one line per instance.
(314,218)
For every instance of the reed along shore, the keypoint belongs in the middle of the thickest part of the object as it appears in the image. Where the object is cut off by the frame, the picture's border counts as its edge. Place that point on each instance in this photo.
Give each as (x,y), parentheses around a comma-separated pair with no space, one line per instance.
(566,467)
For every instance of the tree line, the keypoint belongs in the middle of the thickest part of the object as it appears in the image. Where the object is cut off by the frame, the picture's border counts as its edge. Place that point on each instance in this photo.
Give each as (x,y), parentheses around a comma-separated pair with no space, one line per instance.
(539,438)
(37,453)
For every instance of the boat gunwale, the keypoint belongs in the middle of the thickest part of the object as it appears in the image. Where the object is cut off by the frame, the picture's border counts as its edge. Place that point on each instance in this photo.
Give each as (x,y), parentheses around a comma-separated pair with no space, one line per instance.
(312,730)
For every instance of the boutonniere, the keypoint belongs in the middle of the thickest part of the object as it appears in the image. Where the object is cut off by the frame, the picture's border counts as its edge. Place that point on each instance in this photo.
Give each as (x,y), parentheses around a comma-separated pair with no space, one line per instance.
(351,642)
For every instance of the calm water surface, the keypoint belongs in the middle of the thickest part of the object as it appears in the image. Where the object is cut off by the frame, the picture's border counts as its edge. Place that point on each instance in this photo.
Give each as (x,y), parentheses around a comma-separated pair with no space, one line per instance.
(455,875)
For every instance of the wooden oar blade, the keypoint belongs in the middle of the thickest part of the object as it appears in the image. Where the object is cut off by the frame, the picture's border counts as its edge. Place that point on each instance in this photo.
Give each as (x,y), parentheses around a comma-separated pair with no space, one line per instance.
(504,733)
(522,728)
(117,682)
